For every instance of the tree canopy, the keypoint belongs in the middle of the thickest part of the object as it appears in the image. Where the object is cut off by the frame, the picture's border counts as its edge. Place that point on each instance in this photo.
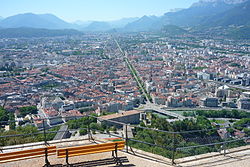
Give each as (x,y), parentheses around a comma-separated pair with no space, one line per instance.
(3,115)
(27,110)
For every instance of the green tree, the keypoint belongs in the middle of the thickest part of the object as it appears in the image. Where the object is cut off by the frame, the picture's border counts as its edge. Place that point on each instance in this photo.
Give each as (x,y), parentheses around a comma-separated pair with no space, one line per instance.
(3,115)
(242,123)
(83,132)
(113,129)
(27,110)
(12,121)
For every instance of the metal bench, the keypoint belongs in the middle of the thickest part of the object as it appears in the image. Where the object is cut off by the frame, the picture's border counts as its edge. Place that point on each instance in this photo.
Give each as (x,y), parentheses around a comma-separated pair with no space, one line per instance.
(91,149)
(28,154)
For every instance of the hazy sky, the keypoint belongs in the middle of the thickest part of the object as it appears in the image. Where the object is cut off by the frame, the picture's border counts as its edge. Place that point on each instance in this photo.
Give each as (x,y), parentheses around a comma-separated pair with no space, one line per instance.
(72,10)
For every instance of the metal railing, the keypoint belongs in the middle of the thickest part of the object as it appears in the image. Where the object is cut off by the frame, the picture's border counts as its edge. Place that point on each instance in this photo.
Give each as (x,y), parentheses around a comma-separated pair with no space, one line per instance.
(174,147)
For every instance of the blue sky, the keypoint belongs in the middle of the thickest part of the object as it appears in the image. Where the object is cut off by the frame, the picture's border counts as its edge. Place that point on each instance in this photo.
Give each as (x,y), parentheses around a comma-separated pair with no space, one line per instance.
(101,10)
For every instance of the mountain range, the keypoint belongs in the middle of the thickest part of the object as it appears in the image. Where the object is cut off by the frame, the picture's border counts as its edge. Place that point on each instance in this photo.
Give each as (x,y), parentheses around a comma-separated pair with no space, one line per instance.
(143,23)
(197,13)
(205,13)
(49,21)
(31,20)
(239,15)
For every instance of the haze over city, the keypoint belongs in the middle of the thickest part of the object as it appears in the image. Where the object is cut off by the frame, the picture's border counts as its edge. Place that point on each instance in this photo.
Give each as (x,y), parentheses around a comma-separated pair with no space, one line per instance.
(96,10)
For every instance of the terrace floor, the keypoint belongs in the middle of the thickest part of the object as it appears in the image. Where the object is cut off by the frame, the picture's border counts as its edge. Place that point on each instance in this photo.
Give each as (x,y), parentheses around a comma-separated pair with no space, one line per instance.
(236,159)
(101,159)
(142,159)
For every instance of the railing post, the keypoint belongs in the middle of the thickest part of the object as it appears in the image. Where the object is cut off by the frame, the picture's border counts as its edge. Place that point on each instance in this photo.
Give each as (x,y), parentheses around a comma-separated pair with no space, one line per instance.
(224,149)
(88,132)
(126,137)
(44,133)
(88,129)
(173,149)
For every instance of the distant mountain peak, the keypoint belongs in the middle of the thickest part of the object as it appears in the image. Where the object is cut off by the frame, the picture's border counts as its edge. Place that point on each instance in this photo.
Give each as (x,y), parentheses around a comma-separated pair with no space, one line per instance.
(98,26)
(32,20)
(144,23)
(217,2)
(239,15)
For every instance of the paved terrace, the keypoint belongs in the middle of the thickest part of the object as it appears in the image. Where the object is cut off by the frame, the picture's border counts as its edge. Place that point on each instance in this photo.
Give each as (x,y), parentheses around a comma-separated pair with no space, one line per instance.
(239,157)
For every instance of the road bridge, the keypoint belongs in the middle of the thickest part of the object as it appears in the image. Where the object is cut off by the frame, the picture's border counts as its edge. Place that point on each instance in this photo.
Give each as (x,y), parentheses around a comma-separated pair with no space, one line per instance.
(158,109)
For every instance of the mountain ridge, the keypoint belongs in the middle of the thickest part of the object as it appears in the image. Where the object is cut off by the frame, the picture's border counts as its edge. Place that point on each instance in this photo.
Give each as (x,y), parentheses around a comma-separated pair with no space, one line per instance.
(145,23)
(239,15)
(203,14)
(50,21)
(31,20)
